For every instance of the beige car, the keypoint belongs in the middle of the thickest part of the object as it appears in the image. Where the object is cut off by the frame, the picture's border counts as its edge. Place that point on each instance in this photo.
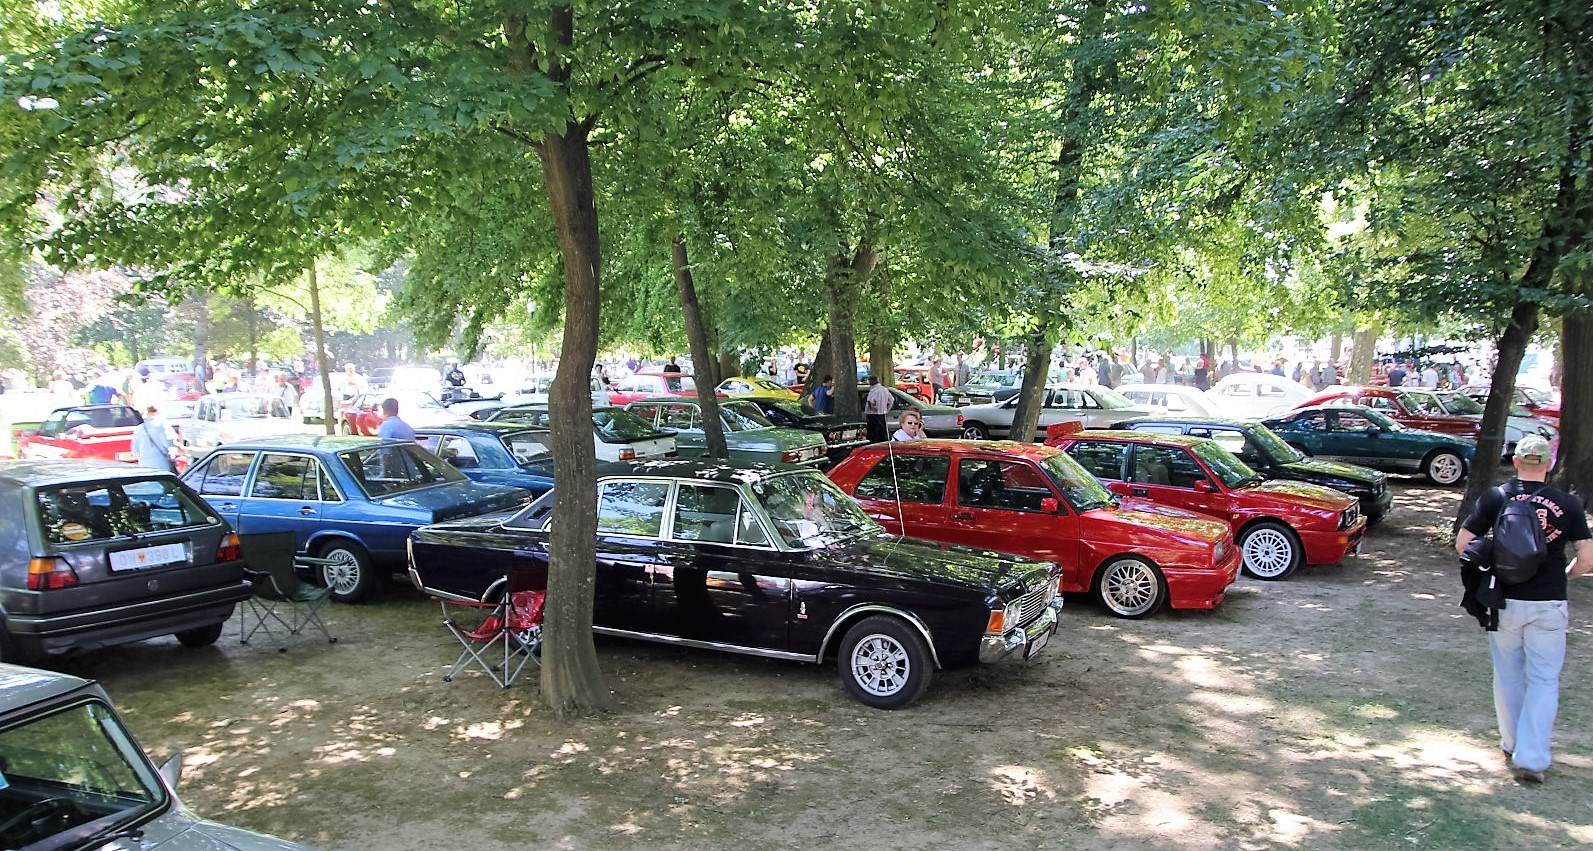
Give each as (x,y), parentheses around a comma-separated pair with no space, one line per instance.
(1091,405)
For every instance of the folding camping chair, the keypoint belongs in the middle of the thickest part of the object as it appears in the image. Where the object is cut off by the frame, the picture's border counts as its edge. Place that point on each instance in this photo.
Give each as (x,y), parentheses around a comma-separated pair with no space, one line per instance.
(512,627)
(280,596)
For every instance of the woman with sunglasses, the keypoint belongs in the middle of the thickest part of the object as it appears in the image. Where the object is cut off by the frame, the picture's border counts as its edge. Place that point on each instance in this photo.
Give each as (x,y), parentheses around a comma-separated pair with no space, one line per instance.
(912,427)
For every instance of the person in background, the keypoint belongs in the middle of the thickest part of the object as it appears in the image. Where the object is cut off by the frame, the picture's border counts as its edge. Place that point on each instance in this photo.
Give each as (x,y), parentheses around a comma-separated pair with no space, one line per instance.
(282,389)
(672,368)
(937,378)
(454,376)
(911,426)
(824,396)
(876,405)
(1203,372)
(1529,644)
(154,442)
(961,373)
(1430,376)
(349,385)
(1324,376)
(393,428)
(1103,371)
(602,375)
(60,386)
(1396,374)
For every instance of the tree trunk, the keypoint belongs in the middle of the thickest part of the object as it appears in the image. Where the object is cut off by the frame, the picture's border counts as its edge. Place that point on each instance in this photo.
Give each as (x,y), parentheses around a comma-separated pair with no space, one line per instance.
(881,357)
(713,427)
(729,365)
(1335,348)
(1365,343)
(1574,471)
(202,339)
(1032,392)
(843,285)
(821,366)
(328,413)
(1501,397)
(572,683)
(254,340)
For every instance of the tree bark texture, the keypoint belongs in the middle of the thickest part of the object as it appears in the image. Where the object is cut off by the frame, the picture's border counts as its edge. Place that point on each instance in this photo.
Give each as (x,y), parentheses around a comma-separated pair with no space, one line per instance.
(713,427)
(1036,369)
(1365,345)
(844,278)
(1574,471)
(328,413)
(572,683)
(1501,397)
(882,355)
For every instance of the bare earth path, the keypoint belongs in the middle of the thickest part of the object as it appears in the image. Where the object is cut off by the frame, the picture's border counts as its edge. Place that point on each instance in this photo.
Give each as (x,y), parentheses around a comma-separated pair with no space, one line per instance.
(1344,708)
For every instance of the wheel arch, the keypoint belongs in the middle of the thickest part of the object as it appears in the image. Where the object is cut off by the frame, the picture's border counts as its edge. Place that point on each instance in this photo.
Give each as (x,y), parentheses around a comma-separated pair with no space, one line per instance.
(857,613)
(1465,464)
(1267,518)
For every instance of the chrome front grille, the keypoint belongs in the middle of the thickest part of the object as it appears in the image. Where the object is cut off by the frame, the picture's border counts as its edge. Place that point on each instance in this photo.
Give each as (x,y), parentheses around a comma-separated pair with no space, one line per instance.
(1034,602)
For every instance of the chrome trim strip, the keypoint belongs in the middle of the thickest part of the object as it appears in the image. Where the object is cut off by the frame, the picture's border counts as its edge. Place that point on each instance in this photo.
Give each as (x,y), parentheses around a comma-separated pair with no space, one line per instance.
(707,645)
(911,618)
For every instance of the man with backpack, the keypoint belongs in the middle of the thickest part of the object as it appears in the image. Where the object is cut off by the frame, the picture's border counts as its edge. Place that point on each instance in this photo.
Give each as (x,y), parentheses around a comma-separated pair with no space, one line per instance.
(1530,566)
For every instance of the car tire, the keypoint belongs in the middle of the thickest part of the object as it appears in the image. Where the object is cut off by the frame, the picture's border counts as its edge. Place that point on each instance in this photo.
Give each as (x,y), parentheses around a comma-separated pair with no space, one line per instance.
(975,431)
(884,663)
(1130,587)
(344,428)
(1269,551)
(352,578)
(1444,467)
(203,636)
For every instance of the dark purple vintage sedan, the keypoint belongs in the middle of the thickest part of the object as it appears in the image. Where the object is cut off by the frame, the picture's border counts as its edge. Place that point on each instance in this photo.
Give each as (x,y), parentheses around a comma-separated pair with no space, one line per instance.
(766,561)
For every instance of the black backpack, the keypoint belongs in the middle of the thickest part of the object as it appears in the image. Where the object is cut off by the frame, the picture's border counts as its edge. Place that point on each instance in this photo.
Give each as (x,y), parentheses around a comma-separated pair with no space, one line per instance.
(1519,545)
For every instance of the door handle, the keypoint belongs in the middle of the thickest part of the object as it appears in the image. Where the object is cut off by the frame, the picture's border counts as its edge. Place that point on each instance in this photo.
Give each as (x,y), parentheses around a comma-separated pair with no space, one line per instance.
(962,515)
(227,506)
(307,511)
(1138,491)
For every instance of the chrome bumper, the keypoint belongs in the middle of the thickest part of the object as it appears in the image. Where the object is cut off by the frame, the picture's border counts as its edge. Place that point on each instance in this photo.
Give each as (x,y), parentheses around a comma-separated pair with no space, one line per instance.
(1022,642)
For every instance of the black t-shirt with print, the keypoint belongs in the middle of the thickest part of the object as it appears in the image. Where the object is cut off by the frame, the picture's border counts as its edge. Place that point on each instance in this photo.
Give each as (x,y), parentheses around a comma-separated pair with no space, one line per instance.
(1563,519)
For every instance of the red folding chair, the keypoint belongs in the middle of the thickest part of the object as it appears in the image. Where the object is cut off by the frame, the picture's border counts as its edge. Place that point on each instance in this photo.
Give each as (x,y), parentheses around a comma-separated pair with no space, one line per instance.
(504,641)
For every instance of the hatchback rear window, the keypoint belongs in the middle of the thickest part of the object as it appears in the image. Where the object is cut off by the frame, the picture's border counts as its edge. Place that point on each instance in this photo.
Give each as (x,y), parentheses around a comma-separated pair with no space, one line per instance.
(76,513)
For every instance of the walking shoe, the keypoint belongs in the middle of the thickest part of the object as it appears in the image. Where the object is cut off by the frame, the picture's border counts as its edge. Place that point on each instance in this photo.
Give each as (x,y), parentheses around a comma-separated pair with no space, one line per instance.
(1525,775)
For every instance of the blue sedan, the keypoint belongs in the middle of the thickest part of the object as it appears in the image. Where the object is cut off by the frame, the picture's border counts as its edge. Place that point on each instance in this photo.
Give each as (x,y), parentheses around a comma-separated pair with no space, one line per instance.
(352,501)
(494,453)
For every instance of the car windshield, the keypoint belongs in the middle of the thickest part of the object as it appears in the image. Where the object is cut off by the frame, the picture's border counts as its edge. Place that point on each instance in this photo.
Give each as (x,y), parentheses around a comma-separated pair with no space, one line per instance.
(1274,446)
(1083,491)
(809,511)
(71,514)
(83,763)
(1534,397)
(1110,399)
(415,400)
(995,379)
(386,470)
(786,405)
(617,425)
(1229,469)
(747,413)
(1456,403)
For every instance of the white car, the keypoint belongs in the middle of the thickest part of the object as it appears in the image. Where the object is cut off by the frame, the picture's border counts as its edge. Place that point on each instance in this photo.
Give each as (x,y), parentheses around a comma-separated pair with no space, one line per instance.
(1256,395)
(1090,405)
(617,434)
(222,418)
(1170,399)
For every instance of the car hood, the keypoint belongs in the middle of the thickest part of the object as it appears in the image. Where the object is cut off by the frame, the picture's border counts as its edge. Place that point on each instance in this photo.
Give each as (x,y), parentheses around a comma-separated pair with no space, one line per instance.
(181,830)
(1285,493)
(1135,517)
(894,557)
(457,499)
(1313,470)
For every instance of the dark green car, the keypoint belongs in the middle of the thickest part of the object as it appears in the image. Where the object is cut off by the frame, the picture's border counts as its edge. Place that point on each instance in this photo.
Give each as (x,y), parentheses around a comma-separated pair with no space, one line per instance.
(749,435)
(1363,436)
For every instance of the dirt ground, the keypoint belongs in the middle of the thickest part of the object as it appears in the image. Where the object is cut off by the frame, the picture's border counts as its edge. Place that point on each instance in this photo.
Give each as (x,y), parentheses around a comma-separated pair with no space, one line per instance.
(1344,708)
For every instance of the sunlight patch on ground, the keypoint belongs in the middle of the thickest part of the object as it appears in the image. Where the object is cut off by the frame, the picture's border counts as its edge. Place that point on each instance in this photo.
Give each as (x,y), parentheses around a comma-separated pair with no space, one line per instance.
(1291,828)
(1020,785)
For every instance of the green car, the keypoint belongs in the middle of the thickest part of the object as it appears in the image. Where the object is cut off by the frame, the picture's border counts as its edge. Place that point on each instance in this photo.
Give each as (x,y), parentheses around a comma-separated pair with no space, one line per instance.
(748,433)
(1363,436)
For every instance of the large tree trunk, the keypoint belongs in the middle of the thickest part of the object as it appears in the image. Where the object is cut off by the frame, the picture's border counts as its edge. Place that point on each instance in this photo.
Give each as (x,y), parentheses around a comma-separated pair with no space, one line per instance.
(571,680)
(328,413)
(843,285)
(881,357)
(1575,469)
(713,427)
(1365,351)
(1501,395)
(1036,369)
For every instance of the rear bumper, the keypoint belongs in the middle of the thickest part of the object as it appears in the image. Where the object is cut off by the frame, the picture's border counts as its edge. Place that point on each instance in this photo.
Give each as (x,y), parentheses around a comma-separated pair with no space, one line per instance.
(89,629)
(1023,642)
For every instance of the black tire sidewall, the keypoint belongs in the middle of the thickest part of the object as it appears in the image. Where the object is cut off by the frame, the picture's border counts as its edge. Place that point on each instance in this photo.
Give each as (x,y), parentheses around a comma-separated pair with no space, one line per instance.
(918,659)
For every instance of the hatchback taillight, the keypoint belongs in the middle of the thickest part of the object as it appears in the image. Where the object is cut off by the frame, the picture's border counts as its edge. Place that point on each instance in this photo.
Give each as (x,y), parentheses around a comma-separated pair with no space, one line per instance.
(627,454)
(48,574)
(959,420)
(229,550)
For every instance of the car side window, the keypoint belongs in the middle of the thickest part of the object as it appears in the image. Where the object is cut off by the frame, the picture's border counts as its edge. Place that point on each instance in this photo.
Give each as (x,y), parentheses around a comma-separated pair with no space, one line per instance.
(678,416)
(1309,422)
(458,452)
(328,491)
(705,513)
(1232,440)
(54,425)
(918,478)
(223,474)
(632,508)
(284,476)
(1101,460)
(988,483)
(1356,424)
(1152,428)
(1379,403)
(1166,465)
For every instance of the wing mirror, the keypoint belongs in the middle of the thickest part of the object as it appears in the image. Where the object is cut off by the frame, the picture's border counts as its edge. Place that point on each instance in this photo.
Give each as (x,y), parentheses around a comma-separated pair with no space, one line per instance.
(1205,486)
(30,432)
(1049,505)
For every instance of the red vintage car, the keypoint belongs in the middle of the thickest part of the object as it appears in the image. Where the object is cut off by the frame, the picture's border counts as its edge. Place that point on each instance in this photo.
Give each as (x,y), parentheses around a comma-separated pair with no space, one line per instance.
(1406,406)
(1279,525)
(647,386)
(83,431)
(1035,501)
(913,379)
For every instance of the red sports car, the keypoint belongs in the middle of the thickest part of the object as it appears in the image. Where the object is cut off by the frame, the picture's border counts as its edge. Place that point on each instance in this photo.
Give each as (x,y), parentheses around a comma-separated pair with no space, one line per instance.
(1035,501)
(84,431)
(1405,406)
(647,386)
(1279,525)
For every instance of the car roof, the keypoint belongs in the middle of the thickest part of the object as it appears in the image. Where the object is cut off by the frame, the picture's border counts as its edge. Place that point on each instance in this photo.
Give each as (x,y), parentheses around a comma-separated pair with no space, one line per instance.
(1138,437)
(496,429)
(53,471)
(702,469)
(1308,409)
(104,407)
(21,687)
(1224,421)
(326,442)
(1035,451)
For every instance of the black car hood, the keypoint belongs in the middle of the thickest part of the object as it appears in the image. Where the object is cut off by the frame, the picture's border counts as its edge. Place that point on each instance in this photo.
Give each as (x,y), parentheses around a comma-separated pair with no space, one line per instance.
(890,556)
(1314,470)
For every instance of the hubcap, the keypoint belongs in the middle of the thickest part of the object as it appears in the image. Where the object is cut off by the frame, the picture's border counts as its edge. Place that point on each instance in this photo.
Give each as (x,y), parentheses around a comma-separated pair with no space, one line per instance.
(1129,587)
(880,665)
(973,434)
(343,576)
(1268,552)
(1446,469)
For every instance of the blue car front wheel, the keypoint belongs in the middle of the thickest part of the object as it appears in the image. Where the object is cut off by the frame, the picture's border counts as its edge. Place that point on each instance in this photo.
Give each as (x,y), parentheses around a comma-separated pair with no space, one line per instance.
(349,573)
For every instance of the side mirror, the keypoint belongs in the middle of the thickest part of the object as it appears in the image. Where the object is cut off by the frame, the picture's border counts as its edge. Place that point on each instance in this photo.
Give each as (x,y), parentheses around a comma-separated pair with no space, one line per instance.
(1049,505)
(172,770)
(1205,486)
(30,432)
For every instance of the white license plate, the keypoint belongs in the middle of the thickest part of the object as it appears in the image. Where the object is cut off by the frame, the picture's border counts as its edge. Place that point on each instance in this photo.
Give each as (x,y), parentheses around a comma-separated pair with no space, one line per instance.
(149,557)
(129,457)
(1038,644)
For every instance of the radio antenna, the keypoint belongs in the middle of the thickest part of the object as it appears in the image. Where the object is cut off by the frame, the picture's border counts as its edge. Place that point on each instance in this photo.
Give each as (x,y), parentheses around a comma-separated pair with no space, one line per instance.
(896,488)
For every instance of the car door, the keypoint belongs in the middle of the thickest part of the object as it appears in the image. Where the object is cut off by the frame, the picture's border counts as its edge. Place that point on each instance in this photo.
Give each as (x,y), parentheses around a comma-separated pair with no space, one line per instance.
(906,493)
(719,578)
(1361,440)
(630,519)
(1170,475)
(283,496)
(221,480)
(1009,506)
(1062,405)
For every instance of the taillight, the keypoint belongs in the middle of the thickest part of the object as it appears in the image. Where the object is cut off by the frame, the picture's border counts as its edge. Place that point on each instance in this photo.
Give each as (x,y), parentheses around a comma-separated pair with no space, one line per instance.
(228,549)
(790,457)
(48,574)
(627,454)
(673,453)
(959,420)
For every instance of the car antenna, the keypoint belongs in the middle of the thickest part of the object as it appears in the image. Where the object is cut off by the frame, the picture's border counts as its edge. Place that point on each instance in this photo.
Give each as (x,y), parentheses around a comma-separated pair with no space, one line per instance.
(896,488)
